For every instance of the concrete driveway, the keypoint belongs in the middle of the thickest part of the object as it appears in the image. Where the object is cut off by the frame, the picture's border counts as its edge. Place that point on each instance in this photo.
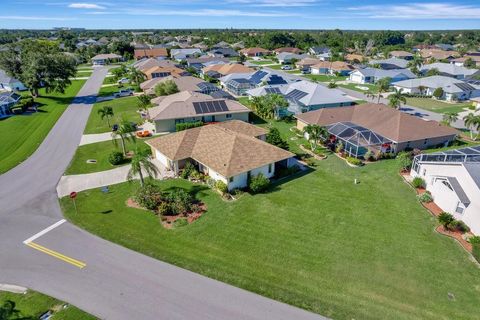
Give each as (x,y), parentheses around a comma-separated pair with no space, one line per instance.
(42,252)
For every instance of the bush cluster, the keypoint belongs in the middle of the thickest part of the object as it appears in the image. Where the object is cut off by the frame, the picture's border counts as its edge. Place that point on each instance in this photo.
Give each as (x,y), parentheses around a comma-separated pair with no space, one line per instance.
(425,197)
(176,202)
(115,158)
(369,156)
(449,223)
(221,186)
(258,183)
(188,125)
(418,182)
(150,196)
(354,161)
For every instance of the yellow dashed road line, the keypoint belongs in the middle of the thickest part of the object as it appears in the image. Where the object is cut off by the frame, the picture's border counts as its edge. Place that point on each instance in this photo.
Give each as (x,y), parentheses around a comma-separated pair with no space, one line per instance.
(57,255)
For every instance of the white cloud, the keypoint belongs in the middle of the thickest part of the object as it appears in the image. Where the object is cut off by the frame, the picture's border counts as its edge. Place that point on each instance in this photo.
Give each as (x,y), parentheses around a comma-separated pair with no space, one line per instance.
(198,13)
(419,11)
(39,18)
(274,3)
(86,6)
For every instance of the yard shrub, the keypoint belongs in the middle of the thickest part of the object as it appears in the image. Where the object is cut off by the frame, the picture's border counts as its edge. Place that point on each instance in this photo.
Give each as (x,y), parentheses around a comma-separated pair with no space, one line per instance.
(354,161)
(164,209)
(425,197)
(180,201)
(445,218)
(339,147)
(418,182)
(221,186)
(149,196)
(115,158)
(369,156)
(188,125)
(188,169)
(259,183)
(404,160)
(458,225)
(438,93)
(274,137)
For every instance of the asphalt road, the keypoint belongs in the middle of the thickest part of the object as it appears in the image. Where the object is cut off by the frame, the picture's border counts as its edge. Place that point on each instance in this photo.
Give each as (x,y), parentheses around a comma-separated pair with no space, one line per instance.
(116,283)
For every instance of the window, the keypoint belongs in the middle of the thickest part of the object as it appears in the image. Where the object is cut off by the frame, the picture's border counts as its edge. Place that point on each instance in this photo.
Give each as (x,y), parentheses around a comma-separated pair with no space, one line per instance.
(230,179)
(447,185)
(229,115)
(270,168)
(459,208)
(425,141)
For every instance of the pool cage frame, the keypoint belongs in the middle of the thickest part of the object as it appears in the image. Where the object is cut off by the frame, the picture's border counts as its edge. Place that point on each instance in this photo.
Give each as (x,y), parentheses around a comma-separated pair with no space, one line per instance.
(468,154)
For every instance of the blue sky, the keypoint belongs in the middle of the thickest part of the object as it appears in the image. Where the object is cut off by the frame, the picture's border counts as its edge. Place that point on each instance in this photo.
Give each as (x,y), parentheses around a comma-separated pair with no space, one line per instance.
(275,14)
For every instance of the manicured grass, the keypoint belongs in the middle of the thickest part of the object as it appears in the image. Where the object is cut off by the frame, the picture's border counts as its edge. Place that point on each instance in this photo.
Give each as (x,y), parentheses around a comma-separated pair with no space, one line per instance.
(320,242)
(276,67)
(354,86)
(100,152)
(123,108)
(262,62)
(83,73)
(437,106)
(286,133)
(33,304)
(324,77)
(22,134)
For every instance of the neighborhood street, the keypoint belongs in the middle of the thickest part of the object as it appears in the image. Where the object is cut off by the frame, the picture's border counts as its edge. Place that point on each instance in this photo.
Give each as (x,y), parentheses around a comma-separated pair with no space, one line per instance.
(99,277)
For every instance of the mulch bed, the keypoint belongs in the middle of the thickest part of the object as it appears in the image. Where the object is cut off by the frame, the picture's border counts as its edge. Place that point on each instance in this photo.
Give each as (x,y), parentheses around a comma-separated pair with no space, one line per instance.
(316,156)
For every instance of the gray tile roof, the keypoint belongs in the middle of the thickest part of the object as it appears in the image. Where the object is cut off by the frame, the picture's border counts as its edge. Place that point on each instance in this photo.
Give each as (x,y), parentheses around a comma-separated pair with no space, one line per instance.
(457,188)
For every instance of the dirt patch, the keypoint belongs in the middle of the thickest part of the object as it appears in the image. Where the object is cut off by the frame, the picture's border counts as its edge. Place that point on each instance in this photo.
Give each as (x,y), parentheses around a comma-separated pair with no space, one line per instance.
(168,222)
(133,204)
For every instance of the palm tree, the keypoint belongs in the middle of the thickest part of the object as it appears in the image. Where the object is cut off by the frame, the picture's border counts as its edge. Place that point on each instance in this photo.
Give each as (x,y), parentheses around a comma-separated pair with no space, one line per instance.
(142,160)
(415,63)
(370,94)
(256,104)
(126,132)
(449,118)
(315,133)
(471,121)
(422,90)
(396,99)
(136,76)
(143,102)
(382,86)
(106,112)
(276,103)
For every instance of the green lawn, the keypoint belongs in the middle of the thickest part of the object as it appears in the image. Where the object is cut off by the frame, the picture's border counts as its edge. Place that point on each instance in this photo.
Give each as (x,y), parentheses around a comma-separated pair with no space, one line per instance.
(324,77)
(320,242)
(354,86)
(22,134)
(83,73)
(261,62)
(437,106)
(125,107)
(33,304)
(100,152)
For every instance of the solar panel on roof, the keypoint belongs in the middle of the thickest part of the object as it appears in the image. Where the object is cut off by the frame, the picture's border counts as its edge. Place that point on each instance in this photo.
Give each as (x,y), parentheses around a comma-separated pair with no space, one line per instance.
(258,76)
(464,86)
(296,94)
(275,79)
(273,91)
(210,106)
(474,82)
(205,85)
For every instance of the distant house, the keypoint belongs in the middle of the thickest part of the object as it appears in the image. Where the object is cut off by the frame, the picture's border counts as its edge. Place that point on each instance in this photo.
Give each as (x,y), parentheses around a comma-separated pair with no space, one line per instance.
(450,70)
(354,58)
(203,61)
(322,53)
(438,54)
(445,46)
(453,89)
(145,64)
(304,96)
(287,57)
(7,101)
(391,63)
(461,61)
(254,52)
(157,53)
(378,128)
(185,83)
(231,152)
(160,72)
(103,59)
(183,54)
(188,106)
(238,83)
(307,62)
(400,54)
(10,83)
(287,50)
(223,52)
(221,70)
(372,75)
(453,179)
(327,67)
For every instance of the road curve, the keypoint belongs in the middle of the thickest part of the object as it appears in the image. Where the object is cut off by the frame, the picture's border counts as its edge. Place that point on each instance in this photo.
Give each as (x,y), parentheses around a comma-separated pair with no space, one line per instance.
(117,283)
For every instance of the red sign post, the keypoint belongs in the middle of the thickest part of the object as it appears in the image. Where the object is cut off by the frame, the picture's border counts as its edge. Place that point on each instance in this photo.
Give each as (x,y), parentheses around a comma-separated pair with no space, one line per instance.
(73,195)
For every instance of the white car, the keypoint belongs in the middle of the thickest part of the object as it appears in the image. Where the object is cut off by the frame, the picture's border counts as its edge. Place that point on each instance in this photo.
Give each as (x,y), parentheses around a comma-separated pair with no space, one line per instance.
(123,80)
(287,67)
(123,93)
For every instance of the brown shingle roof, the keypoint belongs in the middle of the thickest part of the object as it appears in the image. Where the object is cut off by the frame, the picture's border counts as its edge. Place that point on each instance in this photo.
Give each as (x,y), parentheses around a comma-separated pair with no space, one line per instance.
(187,83)
(220,147)
(400,54)
(151,53)
(287,49)
(393,124)
(351,57)
(158,69)
(225,69)
(254,50)
(335,65)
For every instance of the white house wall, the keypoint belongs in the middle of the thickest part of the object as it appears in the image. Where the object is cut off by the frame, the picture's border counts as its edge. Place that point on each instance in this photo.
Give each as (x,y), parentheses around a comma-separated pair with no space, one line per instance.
(169,125)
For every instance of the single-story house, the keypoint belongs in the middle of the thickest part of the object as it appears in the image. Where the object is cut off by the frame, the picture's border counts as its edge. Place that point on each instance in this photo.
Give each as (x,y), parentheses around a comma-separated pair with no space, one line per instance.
(10,83)
(327,67)
(438,54)
(222,70)
(450,70)
(7,101)
(188,106)
(106,58)
(453,179)
(231,152)
(391,63)
(307,62)
(322,53)
(223,52)
(288,57)
(460,61)
(200,62)
(182,54)
(156,53)
(354,58)
(372,75)
(254,52)
(238,83)
(400,54)
(186,83)
(378,128)
(287,50)
(221,44)
(160,72)
(304,96)
(453,89)
(145,64)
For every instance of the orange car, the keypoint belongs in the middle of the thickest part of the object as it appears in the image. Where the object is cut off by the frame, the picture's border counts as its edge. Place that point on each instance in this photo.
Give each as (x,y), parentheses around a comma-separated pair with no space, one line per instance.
(143,134)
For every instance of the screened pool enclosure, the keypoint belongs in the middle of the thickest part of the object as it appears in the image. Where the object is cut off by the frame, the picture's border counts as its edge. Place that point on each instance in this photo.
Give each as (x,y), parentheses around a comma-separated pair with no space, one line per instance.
(469,154)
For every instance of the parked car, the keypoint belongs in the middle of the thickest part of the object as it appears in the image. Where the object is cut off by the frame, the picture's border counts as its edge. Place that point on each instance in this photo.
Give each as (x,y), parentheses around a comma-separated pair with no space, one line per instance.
(123,93)
(143,134)
(123,80)
(306,71)
(287,67)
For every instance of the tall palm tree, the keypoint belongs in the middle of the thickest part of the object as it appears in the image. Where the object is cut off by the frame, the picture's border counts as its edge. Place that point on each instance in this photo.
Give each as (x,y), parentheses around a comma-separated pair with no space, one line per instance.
(276,103)
(143,103)
(415,63)
(382,86)
(126,132)
(136,76)
(397,98)
(106,112)
(315,133)
(471,121)
(450,117)
(142,160)
(256,103)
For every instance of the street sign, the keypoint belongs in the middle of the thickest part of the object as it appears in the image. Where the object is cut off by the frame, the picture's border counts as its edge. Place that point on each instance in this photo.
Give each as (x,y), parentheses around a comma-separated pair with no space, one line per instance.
(73,195)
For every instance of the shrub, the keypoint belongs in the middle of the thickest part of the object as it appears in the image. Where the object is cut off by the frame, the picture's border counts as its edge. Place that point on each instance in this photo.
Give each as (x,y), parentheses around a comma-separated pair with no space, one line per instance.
(149,196)
(259,183)
(445,218)
(369,156)
(188,169)
(180,201)
(425,197)
(221,186)
(474,240)
(418,182)
(188,125)
(339,147)
(274,137)
(458,225)
(164,209)
(195,175)
(115,158)
(354,161)
(438,93)
(404,160)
